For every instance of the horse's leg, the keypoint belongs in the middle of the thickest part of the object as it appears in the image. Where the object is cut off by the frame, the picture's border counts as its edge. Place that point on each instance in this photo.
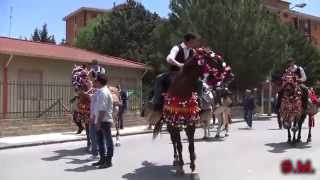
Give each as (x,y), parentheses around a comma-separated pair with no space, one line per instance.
(300,127)
(190,131)
(289,135)
(175,131)
(220,123)
(309,135)
(205,119)
(294,129)
(225,122)
(174,144)
(88,136)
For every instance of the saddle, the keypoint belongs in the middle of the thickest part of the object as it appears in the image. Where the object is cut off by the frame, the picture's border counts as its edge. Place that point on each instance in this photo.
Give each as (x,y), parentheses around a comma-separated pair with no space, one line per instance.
(161,86)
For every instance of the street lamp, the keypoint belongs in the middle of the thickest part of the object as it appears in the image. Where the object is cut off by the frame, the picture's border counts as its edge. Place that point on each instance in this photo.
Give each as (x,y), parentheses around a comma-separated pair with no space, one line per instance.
(301,5)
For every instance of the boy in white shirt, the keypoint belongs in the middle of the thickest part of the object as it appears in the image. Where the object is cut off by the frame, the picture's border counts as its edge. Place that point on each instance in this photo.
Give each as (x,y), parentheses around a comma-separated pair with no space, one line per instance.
(103,108)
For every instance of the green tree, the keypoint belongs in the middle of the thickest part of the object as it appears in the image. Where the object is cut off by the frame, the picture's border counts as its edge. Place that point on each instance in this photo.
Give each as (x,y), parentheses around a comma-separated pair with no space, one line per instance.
(249,37)
(128,32)
(43,35)
(132,32)
(36,36)
(305,54)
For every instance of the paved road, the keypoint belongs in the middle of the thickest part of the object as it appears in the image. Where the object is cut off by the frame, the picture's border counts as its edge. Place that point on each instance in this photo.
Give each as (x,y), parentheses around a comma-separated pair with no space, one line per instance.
(245,154)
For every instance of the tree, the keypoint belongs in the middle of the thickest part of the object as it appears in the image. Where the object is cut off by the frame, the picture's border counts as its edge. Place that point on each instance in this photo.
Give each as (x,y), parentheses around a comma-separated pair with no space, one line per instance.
(43,35)
(126,32)
(63,42)
(36,36)
(304,53)
(250,38)
(131,32)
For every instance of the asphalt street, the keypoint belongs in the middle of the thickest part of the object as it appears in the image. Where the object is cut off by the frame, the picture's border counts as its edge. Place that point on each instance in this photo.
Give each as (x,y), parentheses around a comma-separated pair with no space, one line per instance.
(254,154)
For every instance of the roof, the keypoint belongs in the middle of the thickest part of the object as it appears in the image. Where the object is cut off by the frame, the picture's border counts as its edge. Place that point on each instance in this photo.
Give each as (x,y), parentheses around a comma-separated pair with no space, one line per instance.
(85,9)
(305,16)
(58,52)
(296,13)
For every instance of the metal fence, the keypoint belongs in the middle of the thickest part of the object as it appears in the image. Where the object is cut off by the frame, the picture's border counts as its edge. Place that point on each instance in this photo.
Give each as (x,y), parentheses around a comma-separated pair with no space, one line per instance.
(28,99)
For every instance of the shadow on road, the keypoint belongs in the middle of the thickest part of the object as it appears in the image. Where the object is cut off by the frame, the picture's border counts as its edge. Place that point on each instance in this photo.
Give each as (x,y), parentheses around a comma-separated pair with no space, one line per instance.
(84,168)
(60,154)
(275,129)
(284,146)
(210,139)
(248,129)
(154,172)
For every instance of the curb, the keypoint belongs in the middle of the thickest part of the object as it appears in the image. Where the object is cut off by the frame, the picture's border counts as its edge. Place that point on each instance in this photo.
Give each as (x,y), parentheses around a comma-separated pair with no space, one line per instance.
(121,135)
(66,141)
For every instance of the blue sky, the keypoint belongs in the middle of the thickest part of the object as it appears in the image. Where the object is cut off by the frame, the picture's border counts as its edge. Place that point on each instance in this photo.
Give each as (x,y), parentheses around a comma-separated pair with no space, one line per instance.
(28,14)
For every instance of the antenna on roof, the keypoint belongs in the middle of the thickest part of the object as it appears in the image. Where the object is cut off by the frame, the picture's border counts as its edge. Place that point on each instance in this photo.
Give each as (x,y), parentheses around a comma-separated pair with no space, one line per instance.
(10,25)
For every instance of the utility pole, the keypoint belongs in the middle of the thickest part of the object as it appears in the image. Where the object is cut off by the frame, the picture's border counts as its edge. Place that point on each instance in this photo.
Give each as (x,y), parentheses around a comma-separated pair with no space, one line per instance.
(270,95)
(262,98)
(10,25)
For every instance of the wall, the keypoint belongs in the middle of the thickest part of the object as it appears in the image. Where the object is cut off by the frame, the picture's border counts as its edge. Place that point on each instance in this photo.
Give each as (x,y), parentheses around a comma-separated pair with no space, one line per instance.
(82,19)
(315,33)
(35,98)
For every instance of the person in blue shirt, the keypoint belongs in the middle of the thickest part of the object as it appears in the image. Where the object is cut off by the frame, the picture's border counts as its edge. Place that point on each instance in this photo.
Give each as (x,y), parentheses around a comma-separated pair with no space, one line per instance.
(249,106)
(124,105)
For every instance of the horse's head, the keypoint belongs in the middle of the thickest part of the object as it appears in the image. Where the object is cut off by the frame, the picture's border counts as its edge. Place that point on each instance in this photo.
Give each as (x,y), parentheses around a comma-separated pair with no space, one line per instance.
(289,83)
(214,69)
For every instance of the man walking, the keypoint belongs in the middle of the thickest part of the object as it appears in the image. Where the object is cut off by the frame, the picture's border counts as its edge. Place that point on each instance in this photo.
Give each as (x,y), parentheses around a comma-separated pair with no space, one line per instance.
(249,107)
(103,118)
(123,106)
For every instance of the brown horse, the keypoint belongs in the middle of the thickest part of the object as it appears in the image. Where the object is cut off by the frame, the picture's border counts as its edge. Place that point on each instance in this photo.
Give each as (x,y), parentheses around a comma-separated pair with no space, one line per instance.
(181,110)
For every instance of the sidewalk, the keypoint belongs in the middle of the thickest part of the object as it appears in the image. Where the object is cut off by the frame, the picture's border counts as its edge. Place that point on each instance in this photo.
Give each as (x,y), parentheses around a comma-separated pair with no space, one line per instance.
(52,138)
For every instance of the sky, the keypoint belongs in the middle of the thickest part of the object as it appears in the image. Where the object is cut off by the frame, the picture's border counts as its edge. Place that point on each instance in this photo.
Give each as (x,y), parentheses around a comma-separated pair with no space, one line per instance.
(29,14)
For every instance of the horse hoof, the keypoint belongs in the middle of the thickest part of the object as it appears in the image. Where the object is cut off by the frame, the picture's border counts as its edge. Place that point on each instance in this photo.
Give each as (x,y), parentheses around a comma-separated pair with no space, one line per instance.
(180,171)
(175,163)
(309,140)
(195,176)
(226,135)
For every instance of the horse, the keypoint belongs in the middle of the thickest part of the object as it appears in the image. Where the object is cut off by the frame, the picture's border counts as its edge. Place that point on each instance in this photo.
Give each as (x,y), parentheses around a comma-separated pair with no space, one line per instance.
(181,108)
(223,110)
(82,81)
(291,110)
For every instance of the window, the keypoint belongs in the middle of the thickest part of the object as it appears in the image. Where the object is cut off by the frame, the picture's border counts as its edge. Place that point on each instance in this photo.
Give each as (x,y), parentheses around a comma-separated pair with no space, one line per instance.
(30,84)
(75,20)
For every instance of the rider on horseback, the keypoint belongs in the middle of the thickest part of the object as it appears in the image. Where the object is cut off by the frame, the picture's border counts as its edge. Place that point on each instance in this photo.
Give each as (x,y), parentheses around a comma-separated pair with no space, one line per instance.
(301,75)
(179,54)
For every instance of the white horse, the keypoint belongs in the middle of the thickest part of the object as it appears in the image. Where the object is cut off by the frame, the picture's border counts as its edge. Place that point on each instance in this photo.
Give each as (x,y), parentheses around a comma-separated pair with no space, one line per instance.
(223,113)
(206,104)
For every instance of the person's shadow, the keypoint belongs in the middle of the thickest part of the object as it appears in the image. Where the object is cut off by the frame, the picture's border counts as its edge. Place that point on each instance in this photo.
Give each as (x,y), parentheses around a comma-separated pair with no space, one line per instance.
(284,146)
(63,154)
(151,171)
(210,139)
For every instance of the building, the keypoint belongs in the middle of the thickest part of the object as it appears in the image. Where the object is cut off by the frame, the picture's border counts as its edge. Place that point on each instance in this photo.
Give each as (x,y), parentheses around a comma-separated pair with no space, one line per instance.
(78,19)
(309,25)
(35,76)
